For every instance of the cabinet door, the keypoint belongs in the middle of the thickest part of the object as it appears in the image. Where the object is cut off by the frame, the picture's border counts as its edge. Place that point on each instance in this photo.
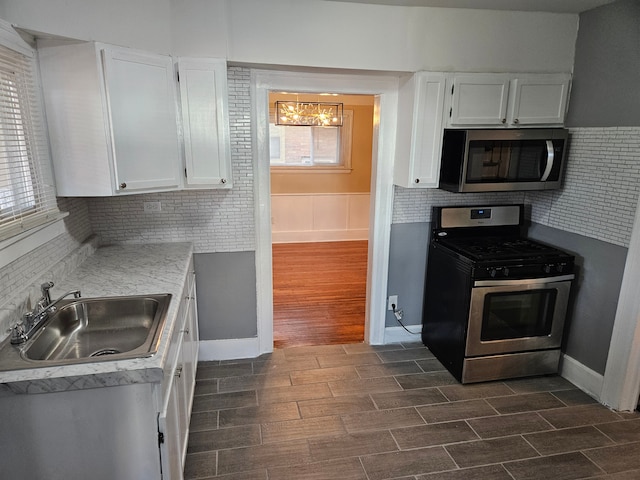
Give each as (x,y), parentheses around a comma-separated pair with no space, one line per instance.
(419,138)
(205,118)
(142,104)
(190,342)
(539,99)
(170,426)
(479,99)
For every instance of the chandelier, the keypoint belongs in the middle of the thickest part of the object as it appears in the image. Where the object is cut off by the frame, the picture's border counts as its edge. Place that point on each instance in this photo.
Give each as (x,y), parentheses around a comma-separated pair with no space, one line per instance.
(310,114)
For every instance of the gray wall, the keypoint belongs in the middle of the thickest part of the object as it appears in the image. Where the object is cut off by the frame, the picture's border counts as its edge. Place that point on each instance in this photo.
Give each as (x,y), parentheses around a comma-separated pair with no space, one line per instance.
(595,292)
(607,67)
(407,263)
(226,291)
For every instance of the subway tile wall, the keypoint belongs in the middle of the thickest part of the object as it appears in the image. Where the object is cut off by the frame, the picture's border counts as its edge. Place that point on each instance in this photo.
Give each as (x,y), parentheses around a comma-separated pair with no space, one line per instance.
(602,184)
(414,206)
(28,268)
(214,220)
(598,199)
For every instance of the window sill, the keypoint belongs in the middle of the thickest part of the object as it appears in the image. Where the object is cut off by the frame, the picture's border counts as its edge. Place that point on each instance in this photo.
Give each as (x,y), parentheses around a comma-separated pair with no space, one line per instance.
(15,247)
(278,169)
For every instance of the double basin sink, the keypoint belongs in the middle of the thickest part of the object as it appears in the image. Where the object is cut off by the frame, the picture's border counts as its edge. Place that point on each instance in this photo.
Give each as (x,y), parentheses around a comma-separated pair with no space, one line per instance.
(90,330)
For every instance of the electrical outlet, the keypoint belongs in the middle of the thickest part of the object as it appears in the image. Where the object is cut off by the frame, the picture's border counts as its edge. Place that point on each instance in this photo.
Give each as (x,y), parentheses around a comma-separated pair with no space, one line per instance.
(152,207)
(393,300)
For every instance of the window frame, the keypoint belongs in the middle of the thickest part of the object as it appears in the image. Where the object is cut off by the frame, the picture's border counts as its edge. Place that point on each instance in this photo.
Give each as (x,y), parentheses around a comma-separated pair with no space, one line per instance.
(346,140)
(45,223)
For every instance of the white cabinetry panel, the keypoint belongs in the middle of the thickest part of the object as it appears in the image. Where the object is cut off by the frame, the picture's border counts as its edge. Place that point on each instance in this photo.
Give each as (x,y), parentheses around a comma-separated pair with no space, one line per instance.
(419,131)
(142,102)
(479,99)
(507,100)
(203,96)
(539,99)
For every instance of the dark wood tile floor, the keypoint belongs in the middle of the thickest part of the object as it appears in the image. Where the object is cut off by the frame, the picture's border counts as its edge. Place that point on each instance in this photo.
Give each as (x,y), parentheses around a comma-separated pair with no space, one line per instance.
(356,412)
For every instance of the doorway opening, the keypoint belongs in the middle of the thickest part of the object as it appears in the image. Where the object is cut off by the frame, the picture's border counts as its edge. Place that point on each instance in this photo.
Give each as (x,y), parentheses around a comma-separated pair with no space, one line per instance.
(320,180)
(385,90)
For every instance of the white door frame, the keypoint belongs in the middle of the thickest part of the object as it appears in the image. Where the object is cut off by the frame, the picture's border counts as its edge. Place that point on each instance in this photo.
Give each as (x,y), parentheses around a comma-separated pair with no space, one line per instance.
(385,88)
(621,385)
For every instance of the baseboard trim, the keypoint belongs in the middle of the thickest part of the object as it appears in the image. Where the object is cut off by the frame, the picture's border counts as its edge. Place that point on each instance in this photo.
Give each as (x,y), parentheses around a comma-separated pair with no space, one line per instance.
(399,334)
(587,380)
(228,349)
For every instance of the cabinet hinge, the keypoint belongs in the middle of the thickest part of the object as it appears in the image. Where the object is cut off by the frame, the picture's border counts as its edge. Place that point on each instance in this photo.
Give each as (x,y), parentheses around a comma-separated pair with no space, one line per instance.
(452,87)
(178,76)
(185,173)
(450,112)
(160,438)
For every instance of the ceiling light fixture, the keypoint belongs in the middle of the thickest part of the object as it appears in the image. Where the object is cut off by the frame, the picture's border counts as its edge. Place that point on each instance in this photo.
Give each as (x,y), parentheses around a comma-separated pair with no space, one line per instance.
(309,114)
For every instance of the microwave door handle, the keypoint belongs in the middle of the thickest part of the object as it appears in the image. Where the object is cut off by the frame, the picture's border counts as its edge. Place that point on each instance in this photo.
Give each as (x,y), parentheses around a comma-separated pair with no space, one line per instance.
(550,159)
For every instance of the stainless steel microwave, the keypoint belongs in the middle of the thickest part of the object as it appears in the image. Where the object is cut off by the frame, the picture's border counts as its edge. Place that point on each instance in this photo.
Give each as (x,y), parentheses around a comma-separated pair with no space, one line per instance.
(502,159)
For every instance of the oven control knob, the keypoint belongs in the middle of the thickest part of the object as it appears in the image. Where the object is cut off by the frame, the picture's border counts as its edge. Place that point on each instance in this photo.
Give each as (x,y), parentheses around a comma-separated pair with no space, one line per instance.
(547,268)
(492,272)
(505,272)
(559,267)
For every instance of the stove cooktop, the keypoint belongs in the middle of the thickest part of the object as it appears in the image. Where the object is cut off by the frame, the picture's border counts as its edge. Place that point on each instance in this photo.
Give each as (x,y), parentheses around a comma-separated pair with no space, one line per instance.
(500,248)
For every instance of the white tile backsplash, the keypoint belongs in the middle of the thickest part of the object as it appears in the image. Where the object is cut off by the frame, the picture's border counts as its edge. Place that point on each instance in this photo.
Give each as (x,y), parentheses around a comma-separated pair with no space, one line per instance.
(601,186)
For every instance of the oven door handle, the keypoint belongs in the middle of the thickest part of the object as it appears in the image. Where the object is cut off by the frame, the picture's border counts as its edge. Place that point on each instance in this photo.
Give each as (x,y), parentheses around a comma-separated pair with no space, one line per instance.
(525,281)
(550,159)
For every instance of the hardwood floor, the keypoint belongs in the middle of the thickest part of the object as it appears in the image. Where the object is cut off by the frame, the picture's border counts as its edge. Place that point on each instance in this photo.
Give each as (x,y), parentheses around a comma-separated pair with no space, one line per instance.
(319,293)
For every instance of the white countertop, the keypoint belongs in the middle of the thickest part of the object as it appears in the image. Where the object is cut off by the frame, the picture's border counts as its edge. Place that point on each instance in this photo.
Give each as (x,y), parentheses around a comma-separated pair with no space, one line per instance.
(114,271)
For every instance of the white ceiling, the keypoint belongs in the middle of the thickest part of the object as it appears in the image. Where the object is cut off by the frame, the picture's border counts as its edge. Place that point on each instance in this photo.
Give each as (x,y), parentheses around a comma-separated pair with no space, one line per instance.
(556,6)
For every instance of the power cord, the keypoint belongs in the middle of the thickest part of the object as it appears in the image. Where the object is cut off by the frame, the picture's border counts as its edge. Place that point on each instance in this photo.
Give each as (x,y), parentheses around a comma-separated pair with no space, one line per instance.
(399,314)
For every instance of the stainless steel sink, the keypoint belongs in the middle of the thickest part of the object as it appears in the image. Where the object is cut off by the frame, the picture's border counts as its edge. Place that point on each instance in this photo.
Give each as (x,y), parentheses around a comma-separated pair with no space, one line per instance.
(94,329)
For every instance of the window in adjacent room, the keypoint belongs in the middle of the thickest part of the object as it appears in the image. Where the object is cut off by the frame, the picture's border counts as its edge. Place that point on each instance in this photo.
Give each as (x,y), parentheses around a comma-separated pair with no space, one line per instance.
(306,148)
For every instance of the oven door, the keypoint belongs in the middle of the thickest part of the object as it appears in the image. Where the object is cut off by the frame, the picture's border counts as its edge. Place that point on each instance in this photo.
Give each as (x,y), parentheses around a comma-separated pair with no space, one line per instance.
(507,316)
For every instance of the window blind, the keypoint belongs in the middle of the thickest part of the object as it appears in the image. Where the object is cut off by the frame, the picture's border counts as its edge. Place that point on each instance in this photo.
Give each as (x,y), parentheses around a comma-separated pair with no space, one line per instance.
(27,193)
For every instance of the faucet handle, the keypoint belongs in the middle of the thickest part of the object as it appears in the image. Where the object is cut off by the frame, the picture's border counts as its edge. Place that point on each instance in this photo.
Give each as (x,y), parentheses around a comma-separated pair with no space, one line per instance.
(45,287)
(18,333)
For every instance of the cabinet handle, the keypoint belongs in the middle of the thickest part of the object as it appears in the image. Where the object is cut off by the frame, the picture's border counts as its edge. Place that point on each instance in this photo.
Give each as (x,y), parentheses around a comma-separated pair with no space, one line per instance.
(178,371)
(417,180)
(123,185)
(223,180)
(516,121)
(504,120)
(185,331)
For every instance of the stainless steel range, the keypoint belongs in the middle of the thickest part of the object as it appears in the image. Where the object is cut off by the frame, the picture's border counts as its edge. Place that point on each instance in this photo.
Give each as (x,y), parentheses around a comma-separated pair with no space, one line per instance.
(495,301)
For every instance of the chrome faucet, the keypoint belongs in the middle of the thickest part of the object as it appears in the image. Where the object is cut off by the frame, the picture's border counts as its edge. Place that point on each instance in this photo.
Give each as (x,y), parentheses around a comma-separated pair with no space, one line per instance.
(25,328)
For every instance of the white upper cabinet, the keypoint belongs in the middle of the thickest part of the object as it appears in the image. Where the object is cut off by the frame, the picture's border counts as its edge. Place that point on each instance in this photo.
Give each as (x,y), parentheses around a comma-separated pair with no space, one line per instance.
(112,119)
(419,131)
(205,120)
(113,116)
(479,99)
(539,99)
(509,100)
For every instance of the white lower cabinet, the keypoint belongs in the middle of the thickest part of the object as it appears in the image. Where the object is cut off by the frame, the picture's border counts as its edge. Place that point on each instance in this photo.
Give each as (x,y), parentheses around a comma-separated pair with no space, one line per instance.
(173,420)
(126,432)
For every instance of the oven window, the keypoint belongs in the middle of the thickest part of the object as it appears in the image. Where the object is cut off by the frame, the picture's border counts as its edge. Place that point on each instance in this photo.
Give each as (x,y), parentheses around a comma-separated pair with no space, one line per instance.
(518,314)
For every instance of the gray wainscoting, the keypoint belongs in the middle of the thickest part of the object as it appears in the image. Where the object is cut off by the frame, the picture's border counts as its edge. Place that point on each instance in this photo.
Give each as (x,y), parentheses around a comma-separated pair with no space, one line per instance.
(407,265)
(600,266)
(226,290)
